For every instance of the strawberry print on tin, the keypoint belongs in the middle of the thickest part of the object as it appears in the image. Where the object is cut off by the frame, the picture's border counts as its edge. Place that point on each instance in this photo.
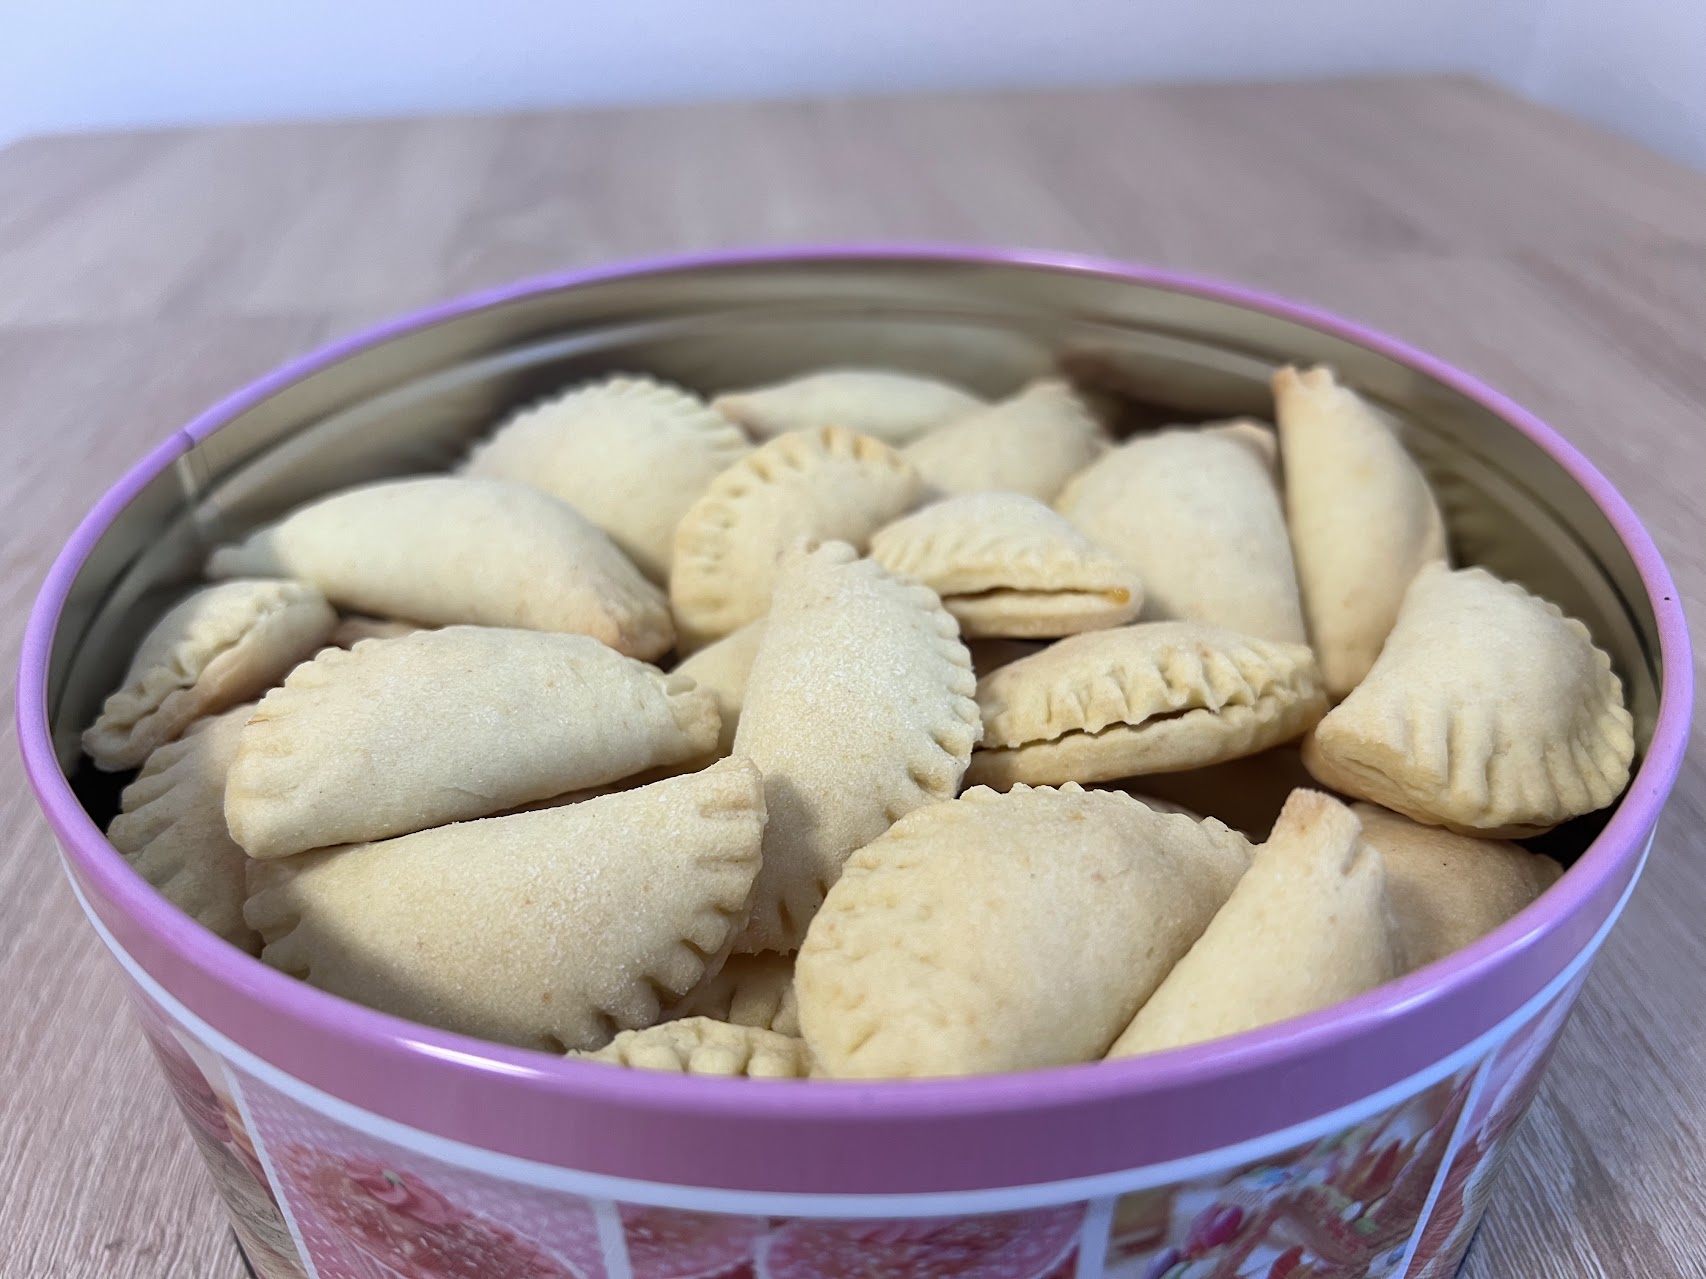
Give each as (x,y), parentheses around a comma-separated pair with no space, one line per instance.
(367,1209)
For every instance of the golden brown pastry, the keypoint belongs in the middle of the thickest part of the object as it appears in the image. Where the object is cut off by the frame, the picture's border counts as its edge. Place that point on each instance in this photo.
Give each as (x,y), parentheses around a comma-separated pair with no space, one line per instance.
(219,646)
(1196,512)
(1448,890)
(703,1046)
(1005,932)
(1006,565)
(1361,515)
(443,550)
(750,990)
(1488,712)
(858,710)
(524,929)
(1031,443)
(1151,698)
(1309,925)
(829,484)
(441,726)
(171,827)
(629,453)
(884,404)
(721,669)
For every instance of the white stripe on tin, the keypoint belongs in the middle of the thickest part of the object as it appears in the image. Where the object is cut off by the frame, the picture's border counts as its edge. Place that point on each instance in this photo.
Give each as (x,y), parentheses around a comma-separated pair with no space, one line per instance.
(1093,1238)
(786,1203)
(255,1139)
(612,1241)
(1459,1133)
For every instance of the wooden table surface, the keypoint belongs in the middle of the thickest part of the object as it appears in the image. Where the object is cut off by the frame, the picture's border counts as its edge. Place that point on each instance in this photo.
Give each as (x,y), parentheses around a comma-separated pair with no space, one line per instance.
(143,275)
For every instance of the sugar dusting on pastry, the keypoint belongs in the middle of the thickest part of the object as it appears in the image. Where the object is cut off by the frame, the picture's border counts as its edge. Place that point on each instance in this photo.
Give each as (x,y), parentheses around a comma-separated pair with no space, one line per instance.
(824,837)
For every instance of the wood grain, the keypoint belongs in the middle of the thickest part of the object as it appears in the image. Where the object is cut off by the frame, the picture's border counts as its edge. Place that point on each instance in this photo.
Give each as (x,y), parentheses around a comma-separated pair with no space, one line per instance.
(143,275)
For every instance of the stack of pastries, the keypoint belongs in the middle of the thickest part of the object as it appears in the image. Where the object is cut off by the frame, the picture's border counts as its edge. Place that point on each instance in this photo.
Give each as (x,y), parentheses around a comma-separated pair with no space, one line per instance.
(857,727)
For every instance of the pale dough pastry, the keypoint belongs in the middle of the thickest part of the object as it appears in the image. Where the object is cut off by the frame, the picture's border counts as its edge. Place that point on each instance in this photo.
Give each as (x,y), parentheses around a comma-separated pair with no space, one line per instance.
(629,453)
(704,1046)
(1488,712)
(721,669)
(398,735)
(1197,513)
(526,929)
(1308,926)
(1031,443)
(1157,697)
(443,550)
(828,484)
(750,990)
(171,827)
(1006,932)
(1361,515)
(886,405)
(1006,565)
(221,645)
(858,710)
(351,630)
(1448,890)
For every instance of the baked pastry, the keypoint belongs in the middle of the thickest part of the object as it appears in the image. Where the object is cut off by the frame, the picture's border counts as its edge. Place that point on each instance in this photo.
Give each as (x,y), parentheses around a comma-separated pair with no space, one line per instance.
(1030,443)
(629,453)
(858,710)
(400,735)
(171,827)
(704,1046)
(750,990)
(523,929)
(1005,932)
(1152,698)
(1197,513)
(721,669)
(1361,515)
(1307,926)
(1487,712)
(218,646)
(882,403)
(1006,565)
(481,809)
(1449,890)
(827,484)
(443,550)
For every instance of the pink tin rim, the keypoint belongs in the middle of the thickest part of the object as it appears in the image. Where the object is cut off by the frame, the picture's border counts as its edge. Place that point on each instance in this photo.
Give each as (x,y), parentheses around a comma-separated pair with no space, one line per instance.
(1614,852)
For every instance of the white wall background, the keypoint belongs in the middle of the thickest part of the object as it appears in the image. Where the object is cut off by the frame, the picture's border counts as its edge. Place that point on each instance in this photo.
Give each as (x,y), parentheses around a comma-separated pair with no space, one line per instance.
(1635,65)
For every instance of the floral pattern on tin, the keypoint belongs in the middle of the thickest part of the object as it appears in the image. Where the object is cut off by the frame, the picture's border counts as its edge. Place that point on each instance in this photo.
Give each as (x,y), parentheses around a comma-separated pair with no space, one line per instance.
(365,1208)
(202,1088)
(666,1243)
(1040,1244)
(1348,1205)
(1343,1207)
(1512,1079)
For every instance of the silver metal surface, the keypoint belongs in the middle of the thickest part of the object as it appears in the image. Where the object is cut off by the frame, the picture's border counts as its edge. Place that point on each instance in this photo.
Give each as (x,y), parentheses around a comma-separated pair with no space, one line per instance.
(414,402)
